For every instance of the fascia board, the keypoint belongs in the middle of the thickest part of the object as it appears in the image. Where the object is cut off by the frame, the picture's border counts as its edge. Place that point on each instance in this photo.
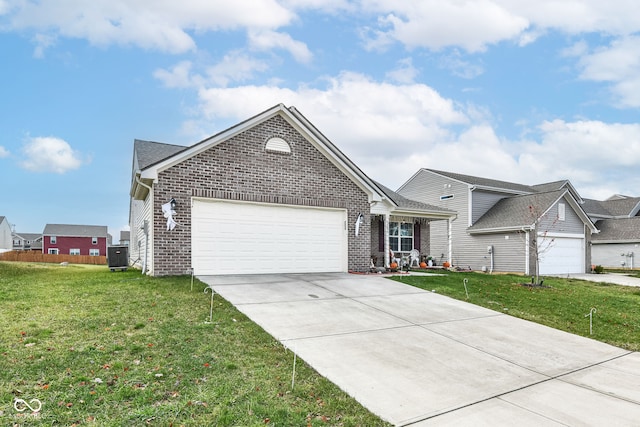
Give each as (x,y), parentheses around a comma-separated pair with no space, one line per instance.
(495,230)
(424,214)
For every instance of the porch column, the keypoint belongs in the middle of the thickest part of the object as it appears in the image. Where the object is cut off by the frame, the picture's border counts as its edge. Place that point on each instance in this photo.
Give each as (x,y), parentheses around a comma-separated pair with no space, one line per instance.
(450,239)
(386,241)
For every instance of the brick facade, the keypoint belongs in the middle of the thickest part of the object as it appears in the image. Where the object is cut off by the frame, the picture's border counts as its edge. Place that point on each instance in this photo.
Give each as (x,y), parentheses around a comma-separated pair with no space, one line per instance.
(240,168)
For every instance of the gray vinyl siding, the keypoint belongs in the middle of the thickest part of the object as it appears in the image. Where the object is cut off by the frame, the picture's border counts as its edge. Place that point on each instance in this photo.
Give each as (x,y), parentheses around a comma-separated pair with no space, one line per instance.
(610,254)
(141,211)
(509,252)
(482,202)
(571,225)
(428,187)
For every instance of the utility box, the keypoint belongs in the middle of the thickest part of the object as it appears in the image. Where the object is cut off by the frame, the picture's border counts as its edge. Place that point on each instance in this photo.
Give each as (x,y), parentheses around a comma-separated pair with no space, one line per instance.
(118,258)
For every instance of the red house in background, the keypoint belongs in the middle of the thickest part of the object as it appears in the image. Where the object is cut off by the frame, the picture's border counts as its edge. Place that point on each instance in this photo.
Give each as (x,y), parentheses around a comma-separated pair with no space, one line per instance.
(65,239)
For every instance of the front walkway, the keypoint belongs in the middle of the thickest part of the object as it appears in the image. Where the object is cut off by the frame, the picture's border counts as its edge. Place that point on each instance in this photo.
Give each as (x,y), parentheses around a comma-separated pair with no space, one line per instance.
(419,358)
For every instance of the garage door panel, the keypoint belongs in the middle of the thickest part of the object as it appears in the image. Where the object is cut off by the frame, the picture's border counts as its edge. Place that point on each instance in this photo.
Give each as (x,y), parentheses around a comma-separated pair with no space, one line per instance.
(247,238)
(564,256)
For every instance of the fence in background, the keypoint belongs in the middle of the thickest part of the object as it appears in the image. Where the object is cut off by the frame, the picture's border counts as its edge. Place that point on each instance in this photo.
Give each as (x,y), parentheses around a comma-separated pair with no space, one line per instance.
(31,256)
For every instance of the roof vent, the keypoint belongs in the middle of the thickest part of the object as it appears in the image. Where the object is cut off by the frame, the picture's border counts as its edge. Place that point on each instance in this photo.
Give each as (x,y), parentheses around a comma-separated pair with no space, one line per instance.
(277,145)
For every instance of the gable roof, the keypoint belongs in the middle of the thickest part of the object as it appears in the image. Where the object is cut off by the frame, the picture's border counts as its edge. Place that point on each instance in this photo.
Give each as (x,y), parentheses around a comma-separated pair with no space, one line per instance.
(28,236)
(409,205)
(71,230)
(624,207)
(618,230)
(148,174)
(514,213)
(485,183)
(152,159)
(149,152)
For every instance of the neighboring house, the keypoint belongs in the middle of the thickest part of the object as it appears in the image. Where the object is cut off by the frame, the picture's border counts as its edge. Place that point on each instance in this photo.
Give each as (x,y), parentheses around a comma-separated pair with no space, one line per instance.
(124,238)
(269,195)
(27,242)
(499,223)
(6,243)
(618,219)
(67,239)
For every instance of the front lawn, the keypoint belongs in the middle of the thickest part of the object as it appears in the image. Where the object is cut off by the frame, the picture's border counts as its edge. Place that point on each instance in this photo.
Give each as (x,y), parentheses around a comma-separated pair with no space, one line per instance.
(122,349)
(560,303)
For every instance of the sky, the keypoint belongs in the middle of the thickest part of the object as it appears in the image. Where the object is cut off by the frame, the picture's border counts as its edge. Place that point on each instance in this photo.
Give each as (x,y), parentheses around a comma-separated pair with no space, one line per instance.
(516,90)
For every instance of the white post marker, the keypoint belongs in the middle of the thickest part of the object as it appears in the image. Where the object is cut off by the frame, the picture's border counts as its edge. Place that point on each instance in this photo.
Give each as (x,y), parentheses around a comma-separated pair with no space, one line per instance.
(465,287)
(211,306)
(590,316)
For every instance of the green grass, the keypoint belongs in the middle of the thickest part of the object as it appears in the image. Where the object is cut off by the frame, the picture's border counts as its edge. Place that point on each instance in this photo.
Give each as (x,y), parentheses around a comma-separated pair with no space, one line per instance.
(561,303)
(122,349)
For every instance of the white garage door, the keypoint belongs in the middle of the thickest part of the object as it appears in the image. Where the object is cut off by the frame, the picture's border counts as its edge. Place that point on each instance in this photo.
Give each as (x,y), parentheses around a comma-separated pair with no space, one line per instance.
(565,256)
(252,238)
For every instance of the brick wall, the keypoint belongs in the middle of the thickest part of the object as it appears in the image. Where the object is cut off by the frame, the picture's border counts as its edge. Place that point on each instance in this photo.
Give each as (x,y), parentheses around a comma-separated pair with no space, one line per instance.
(241,168)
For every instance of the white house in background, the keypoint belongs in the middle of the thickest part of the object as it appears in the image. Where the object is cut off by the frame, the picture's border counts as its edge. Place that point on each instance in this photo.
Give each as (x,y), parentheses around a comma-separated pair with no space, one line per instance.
(498,221)
(6,242)
(618,243)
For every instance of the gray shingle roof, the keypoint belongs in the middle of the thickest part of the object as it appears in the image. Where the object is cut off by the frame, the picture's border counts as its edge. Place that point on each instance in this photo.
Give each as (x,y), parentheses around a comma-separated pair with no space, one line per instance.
(75,230)
(622,207)
(149,152)
(550,186)
(403,202)
(486,182)
(515,212)
(623,229)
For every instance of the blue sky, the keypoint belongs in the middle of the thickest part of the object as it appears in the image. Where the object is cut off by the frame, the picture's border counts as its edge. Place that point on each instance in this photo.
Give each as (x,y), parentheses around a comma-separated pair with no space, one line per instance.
(528,92)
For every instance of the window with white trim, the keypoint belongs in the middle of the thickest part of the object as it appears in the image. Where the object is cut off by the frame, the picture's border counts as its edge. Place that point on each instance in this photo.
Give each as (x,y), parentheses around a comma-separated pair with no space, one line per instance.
(401,236)
(94,240)
(53,240)
(561,211)
(74,251)
(53,251)
(94,252)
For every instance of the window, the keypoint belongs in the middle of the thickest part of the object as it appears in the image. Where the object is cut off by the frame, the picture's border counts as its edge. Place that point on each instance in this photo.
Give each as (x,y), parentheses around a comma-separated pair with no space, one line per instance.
(94,252)
(52,240)
(446,197)
(53,251)
(401,236)
(74,251)
(561,211)
(94,240)
(277,145)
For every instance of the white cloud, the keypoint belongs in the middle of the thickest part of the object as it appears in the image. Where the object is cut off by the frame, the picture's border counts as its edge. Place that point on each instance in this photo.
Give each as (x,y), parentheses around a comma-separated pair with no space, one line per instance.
(435,24)
(149,24)
(269,40)
(4,152)
(592,154)
(461,67)
(619,65)
(50,154)
(392,130)
(404,73)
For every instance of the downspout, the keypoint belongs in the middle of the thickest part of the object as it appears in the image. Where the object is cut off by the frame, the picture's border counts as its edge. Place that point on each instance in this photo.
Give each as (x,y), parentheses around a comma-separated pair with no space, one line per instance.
(387,261)
(145,226)
(450,242)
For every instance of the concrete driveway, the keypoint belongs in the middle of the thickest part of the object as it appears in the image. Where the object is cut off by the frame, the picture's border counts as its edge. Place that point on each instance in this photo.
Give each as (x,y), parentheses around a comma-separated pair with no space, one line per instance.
(419,358)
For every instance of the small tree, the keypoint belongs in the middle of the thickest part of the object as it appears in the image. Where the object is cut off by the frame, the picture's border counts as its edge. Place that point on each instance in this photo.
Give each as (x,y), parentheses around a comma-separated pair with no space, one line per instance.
(540,242)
